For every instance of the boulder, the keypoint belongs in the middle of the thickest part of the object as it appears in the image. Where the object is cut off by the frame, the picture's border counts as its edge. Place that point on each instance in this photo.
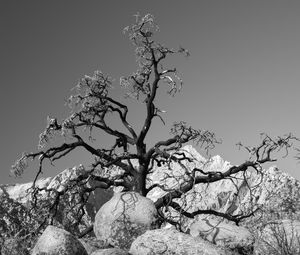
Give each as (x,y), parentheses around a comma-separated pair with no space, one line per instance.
(172,242)
(279,237)
(110,251)
(224,234)
(56,241)
(123,218)
(92,244)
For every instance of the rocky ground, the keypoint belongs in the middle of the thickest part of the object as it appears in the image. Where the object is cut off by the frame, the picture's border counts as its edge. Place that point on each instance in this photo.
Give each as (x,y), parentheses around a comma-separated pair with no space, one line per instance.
(127,222)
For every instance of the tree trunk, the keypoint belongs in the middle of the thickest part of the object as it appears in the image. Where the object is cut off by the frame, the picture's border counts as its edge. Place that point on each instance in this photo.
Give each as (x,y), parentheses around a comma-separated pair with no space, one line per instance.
(139,182)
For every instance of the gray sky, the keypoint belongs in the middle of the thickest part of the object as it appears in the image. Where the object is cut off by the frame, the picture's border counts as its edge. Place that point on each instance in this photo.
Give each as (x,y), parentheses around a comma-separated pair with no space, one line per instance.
(242,77)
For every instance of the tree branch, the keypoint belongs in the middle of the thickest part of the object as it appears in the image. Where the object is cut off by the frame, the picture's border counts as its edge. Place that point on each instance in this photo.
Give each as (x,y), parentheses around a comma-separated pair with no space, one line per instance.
(235,218)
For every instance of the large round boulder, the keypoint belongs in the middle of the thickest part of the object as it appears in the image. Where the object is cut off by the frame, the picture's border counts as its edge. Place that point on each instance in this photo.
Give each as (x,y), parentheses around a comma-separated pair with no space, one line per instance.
(172,242)
(126,216)
(56,241)
(224,234)
(92,244)
(110,251)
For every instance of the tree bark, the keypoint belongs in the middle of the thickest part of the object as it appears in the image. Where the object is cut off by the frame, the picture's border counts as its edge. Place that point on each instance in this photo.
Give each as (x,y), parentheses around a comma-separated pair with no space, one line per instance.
(139,182)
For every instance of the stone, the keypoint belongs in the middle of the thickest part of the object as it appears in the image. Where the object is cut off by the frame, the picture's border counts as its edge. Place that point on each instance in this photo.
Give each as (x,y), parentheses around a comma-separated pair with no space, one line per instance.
(224,234)
(172,242)
(123,218)
(56,241)
(279,237)
(92,244)
(110,251)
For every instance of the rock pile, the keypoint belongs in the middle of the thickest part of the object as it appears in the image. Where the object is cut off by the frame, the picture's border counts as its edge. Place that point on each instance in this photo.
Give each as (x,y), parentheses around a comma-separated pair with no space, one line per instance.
(126,223)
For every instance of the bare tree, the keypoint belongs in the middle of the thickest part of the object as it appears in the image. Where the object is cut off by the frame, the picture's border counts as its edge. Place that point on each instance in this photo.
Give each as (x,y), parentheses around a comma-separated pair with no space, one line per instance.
(129,152)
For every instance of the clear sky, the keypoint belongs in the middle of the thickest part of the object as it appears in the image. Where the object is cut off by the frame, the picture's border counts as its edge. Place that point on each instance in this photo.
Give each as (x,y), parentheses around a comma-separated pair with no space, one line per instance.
(242,77)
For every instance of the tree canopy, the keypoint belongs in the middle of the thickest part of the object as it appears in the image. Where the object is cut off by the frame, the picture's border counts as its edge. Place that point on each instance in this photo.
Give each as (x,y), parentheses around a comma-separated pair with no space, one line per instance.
(135,160)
